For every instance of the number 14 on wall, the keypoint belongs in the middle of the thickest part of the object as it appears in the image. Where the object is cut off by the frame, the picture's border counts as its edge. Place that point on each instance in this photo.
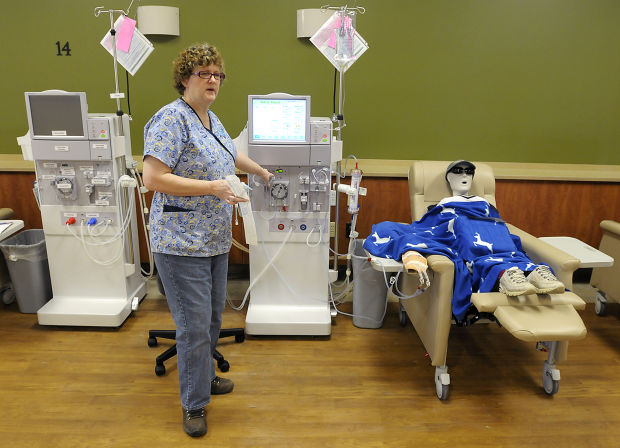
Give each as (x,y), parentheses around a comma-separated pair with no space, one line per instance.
(64,48)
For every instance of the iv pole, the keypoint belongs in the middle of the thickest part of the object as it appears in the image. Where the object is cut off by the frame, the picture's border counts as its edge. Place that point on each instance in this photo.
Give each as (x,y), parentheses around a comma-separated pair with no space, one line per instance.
(119,112)
(344,11)
(116,95)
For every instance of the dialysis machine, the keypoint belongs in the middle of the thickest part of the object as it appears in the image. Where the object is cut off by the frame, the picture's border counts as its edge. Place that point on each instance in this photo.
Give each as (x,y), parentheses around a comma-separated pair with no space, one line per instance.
(289,265)
(87,210)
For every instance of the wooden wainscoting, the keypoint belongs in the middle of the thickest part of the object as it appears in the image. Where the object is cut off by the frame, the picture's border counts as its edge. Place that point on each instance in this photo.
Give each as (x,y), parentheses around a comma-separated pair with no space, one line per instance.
(542,208)
(16,193)
(547,208)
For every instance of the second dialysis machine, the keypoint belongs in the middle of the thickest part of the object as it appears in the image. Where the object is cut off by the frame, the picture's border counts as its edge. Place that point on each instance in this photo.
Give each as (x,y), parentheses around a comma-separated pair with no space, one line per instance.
(289,265)
(87,210)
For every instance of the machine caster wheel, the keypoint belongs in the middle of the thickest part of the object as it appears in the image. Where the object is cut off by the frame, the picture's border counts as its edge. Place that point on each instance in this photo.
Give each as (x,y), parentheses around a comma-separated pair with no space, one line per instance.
(444,392)
(240,338)
(403,315)
(152,342)
(8,296)
(160,370)
(403,318)
(224,366)
(600,306)
(442,382)
(550,379)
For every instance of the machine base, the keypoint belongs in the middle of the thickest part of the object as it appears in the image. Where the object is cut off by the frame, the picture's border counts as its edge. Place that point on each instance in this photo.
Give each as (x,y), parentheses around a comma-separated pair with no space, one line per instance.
(88,311)
(300,320)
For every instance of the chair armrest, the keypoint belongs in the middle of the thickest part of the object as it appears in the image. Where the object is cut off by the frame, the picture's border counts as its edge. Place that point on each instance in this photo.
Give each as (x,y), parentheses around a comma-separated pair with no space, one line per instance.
(611,226)
(563,264)
(439,263)
(6,213)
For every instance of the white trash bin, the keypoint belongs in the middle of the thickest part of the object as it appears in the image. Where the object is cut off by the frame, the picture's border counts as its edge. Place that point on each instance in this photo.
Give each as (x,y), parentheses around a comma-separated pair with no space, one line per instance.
(26,258)
(369,291)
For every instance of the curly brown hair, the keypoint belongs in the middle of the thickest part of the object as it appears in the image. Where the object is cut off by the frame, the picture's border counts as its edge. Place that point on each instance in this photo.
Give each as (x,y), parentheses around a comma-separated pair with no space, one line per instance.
(195,55)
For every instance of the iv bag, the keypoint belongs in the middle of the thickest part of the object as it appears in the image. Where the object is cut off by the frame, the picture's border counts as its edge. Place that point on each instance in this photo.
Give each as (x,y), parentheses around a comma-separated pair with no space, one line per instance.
(339,42)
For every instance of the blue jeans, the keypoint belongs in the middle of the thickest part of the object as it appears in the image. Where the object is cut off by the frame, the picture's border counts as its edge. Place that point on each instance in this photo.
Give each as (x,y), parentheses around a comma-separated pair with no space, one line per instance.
(195,288)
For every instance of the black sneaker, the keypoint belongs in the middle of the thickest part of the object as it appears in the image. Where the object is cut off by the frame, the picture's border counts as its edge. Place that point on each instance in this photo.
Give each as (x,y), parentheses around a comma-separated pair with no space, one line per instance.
(220,386)
(195,422)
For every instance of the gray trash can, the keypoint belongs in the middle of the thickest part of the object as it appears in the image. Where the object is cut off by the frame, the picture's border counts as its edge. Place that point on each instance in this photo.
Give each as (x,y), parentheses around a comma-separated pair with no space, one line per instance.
(26,258)
(369,291)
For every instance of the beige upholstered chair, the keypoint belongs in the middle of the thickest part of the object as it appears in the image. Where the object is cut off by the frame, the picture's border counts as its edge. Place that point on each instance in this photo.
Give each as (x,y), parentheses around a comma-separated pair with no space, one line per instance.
(607,280)
(6,213)
(549,319)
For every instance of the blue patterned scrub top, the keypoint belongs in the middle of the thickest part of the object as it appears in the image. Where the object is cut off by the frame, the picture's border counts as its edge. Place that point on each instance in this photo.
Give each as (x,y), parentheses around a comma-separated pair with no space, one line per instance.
(197,226)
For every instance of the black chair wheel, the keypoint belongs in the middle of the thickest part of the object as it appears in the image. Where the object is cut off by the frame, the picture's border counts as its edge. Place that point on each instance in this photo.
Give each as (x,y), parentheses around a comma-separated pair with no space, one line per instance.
(223,365)
(403,318)
(160,370)
(152,342)
(240,338)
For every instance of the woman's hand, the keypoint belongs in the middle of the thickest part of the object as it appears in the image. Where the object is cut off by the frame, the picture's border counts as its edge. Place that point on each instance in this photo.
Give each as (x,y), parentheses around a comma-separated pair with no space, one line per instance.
(265,175)
(244,163)
(222,190)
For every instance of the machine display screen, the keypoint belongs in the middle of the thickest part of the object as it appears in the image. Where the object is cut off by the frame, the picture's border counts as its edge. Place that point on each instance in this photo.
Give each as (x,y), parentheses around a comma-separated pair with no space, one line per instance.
(279,120)
(59,116)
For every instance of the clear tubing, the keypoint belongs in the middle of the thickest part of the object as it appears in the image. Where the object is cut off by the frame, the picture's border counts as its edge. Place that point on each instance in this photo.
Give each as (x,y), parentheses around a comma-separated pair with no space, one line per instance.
(253,283)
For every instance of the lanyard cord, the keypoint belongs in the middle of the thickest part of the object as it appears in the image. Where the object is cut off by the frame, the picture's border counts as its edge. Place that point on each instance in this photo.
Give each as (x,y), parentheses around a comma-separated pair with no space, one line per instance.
(209,130)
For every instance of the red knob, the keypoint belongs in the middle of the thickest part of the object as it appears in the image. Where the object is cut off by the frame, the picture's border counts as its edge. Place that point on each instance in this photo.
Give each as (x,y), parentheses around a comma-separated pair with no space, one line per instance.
(71,221)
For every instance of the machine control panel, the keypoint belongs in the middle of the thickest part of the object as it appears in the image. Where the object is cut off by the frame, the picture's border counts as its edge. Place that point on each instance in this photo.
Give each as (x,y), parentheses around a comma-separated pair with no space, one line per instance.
(81,183)
(88,218)
(292,189)
(299,225)
(98,129)
(320,130)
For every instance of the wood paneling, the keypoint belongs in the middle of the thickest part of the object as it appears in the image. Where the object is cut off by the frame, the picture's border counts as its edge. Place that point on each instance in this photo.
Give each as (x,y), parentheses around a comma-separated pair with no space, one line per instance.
(545,208)
(542,208)
(16,193)
(387,200)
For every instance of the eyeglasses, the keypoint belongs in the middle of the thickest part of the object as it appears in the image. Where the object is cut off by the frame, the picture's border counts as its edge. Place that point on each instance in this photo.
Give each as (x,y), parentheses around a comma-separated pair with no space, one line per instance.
(208,75)
(461,170)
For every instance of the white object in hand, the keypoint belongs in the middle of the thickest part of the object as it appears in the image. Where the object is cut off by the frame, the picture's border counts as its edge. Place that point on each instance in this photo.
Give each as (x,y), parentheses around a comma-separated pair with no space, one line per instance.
(245,208)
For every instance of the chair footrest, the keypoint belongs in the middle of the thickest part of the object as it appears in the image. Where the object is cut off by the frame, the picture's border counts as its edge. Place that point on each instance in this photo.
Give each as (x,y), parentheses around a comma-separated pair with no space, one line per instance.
(487,302)
(541,323)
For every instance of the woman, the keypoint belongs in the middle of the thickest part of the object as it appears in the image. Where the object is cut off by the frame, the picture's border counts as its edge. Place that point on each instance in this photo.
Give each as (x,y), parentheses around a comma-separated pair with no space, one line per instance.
(187,155)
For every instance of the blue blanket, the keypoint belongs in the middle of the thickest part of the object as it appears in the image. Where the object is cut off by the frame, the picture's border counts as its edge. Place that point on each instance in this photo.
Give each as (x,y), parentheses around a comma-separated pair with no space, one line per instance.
(467,230)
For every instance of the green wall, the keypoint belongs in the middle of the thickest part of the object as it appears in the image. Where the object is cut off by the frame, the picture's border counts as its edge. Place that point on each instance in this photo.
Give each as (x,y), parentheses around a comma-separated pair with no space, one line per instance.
(495,80)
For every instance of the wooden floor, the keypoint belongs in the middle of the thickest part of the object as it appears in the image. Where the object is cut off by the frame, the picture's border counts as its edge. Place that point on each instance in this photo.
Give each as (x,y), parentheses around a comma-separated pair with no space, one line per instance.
(73,387)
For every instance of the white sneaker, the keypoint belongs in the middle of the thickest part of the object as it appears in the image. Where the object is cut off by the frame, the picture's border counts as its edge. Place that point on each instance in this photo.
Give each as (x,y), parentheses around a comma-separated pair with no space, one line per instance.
(544,281)
(513,283)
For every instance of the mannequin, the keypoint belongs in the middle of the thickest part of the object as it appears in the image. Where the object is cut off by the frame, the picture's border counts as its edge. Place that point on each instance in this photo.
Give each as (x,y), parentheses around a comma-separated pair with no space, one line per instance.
(460,184)
(469,231)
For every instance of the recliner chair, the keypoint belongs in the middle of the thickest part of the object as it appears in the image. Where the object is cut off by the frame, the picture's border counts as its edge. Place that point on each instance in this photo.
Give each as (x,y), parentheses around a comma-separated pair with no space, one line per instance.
(6,213)
(549,320)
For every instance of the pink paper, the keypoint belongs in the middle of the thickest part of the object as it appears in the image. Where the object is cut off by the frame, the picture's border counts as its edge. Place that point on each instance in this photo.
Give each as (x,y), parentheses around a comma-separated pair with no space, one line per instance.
(332,38)
(348,22)
(124,35)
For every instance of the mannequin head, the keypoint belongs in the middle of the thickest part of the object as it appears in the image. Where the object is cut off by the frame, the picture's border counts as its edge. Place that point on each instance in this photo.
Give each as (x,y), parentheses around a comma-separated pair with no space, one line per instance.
(460,175)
